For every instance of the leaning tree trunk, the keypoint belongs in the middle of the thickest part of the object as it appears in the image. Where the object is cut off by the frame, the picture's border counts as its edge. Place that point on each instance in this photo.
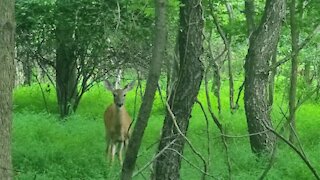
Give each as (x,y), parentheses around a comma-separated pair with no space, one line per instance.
(66,74)
(7,73)
(152,82)
(185,91)
(263,43)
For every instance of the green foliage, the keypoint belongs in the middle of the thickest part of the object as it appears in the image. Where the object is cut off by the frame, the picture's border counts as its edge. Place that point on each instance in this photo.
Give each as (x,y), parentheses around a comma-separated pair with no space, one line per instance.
(48,148)
(58,150)
(45,147)
(31,99)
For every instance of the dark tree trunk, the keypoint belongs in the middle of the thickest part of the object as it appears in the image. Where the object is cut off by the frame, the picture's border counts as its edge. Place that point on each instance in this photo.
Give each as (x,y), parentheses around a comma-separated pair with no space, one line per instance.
(172,68)
(217,83)
(27,70)
(250,14)
(152,82)
(7,72)
(294,69)
(66,73)
(185,91)
(263,43)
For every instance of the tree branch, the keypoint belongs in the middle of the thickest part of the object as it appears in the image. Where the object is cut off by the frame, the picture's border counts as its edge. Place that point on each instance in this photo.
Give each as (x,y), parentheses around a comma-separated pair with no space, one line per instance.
(301,46)
(306,161)
(183,135)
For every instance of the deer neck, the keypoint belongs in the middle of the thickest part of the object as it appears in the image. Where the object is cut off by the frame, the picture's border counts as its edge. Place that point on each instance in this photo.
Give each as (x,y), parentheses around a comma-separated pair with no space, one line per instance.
(119,114)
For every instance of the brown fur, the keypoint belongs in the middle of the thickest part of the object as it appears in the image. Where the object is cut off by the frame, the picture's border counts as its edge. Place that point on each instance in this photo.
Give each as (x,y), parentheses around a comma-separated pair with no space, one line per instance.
(117,122)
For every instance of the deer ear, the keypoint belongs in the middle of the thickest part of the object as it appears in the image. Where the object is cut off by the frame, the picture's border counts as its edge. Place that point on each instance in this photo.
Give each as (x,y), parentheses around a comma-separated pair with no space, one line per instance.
(129,86)
(108,85)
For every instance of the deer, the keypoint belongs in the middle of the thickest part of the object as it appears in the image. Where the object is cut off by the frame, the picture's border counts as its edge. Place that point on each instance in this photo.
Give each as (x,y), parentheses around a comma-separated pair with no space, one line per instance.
(117,121)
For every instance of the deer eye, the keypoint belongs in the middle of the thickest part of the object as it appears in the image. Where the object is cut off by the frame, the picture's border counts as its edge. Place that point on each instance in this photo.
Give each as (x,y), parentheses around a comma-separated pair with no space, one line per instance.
(114,95)
(124,95)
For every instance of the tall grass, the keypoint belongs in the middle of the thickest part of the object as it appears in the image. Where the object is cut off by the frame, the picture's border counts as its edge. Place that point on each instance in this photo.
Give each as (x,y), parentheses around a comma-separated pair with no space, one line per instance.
(45,147)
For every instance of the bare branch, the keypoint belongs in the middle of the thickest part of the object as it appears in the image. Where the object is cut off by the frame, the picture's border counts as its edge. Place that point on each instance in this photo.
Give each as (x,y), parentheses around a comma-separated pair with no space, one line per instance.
(239,93)
(219,28)
(301,46)
(183,135)
(301,155)
(207,130)
(47,73)
(42,92)
(154,158)
(307,97)
(245,135)
(217,122)
(190,163)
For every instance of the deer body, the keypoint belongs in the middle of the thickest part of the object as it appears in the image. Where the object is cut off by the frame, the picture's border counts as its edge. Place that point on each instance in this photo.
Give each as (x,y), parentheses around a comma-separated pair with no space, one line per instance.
(117,122)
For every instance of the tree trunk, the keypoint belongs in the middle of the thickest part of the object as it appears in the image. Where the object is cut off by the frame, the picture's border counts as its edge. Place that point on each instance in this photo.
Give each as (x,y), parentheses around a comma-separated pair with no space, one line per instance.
(185,91)
(214,64)
(66,73)
(7,73)
(263,43)
(231,86)
(250,14)
(152,82)
(118,78)
(294,69)
(172,68)
(217,84)
(307,72)
(27,70)
(229,57)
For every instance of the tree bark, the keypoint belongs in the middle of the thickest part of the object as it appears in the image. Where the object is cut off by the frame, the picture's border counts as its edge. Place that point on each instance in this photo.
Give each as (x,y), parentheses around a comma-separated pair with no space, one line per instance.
(185,91)
(263,43)
(294,69)
(250,14)
(272,79)
(152,82)
(7,75)
(172,68)
(66,73)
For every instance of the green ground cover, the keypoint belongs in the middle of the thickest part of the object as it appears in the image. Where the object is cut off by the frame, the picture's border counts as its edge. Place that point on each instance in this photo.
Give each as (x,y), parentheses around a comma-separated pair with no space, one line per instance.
(45,147)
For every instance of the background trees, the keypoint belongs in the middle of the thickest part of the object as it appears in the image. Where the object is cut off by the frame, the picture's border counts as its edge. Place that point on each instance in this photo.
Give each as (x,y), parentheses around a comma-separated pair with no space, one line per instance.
(74,50)
(65,48)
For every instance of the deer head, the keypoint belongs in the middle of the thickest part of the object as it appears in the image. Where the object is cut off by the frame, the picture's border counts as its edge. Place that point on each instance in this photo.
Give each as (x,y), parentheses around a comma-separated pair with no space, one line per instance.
(119,94)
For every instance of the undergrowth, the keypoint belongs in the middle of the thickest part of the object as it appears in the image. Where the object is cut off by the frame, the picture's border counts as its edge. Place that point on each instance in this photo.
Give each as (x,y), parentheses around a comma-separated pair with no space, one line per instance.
(45,147)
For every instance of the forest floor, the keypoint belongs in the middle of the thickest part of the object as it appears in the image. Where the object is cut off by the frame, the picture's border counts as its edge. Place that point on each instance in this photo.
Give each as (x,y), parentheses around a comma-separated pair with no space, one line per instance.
(45,147)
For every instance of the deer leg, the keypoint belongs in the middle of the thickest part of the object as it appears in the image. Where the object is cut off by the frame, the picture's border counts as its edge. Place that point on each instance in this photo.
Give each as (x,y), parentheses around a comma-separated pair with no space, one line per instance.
(108,149)
(126,142)
(120,152)
(113,151)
